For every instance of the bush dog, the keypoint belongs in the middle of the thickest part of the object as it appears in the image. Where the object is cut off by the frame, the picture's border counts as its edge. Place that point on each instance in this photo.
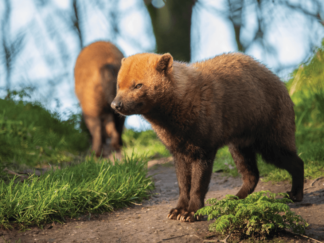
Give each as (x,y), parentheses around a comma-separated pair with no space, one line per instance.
(197,108)
(95,75)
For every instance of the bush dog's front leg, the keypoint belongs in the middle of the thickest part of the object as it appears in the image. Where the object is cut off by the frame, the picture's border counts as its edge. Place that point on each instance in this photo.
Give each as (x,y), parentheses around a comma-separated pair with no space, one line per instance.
(193,179)
(183,171)
(200,179)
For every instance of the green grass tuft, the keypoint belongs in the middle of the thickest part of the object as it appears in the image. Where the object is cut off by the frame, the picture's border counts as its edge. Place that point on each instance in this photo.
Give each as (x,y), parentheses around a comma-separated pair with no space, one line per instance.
(89,187)
(259,214)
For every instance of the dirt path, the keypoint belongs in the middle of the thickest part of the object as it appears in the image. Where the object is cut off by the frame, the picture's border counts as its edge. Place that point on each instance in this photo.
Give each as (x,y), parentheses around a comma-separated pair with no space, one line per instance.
(148,223)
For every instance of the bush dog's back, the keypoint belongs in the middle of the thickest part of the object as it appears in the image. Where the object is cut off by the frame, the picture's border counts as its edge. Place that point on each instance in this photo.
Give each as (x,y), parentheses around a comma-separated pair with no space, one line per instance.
(195,109)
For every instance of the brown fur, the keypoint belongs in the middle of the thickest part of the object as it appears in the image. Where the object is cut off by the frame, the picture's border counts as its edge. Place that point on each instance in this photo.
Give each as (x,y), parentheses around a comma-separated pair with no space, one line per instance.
(196,109)
(95,75)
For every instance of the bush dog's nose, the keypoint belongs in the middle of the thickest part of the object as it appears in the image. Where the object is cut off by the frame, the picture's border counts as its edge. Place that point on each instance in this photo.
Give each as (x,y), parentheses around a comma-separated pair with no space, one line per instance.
(116,105)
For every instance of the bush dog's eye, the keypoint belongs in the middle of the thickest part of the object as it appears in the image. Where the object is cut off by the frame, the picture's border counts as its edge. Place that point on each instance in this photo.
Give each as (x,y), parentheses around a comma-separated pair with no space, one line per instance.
(138,86)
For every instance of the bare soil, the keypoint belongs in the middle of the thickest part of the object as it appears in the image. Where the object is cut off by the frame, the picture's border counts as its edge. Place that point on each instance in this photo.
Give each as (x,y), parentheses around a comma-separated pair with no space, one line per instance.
(147,222)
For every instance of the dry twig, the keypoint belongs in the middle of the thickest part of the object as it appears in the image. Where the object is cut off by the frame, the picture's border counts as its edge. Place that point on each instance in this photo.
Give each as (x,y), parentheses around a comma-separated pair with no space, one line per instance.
(171,238)
(210,236)
(316,180)
(307,237)
(225,240)
(22,177)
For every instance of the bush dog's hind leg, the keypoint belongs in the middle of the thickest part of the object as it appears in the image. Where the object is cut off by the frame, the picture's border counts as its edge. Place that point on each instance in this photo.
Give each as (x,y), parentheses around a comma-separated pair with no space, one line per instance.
(245,160)
(290,161)
(112,132)
(94,126)
(119,124)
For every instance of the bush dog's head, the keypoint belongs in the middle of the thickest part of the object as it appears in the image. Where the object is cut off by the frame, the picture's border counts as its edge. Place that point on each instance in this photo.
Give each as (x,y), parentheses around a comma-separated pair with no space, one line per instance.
(141,80)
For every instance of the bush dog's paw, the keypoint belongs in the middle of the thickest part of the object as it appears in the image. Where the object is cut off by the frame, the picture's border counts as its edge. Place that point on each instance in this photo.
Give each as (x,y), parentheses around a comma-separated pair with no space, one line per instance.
(295,197)
(183,215)
(175,213)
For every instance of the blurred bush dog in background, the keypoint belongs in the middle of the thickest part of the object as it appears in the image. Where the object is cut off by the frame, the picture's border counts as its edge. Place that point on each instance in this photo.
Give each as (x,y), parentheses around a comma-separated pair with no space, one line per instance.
(197,108)
(95,75)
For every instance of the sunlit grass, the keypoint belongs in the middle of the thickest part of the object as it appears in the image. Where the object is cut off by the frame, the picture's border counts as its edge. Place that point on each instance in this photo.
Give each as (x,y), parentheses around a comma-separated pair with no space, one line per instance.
(144,143)
(93,186)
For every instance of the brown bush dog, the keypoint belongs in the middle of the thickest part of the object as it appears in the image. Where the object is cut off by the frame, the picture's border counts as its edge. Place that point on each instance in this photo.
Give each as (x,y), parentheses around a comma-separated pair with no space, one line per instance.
(95,75)
(197,108)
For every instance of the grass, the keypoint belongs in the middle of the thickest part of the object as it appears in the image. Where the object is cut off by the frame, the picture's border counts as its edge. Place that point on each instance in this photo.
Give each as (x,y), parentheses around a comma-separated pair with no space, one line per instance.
(144,143)
(89,187)
(30,135)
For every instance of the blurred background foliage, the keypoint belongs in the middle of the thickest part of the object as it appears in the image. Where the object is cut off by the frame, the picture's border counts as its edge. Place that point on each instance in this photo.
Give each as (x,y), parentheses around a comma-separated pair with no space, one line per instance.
(306,88)
(40,40)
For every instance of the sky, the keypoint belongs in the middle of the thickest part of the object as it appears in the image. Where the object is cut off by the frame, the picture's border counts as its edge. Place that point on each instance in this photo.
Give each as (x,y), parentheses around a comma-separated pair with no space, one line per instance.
(211,35)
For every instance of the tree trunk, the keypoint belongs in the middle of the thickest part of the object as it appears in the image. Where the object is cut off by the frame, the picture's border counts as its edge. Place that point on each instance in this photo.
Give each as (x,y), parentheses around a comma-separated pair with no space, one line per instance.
(6,43)
(171,25)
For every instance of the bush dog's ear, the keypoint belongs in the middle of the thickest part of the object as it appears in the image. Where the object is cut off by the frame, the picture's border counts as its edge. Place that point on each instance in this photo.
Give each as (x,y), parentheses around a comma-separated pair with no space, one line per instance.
(123,59)
(165,63)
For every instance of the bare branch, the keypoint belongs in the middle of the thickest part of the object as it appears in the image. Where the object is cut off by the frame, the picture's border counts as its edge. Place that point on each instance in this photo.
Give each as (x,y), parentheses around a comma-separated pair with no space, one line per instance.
(315,14)
(76,21)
